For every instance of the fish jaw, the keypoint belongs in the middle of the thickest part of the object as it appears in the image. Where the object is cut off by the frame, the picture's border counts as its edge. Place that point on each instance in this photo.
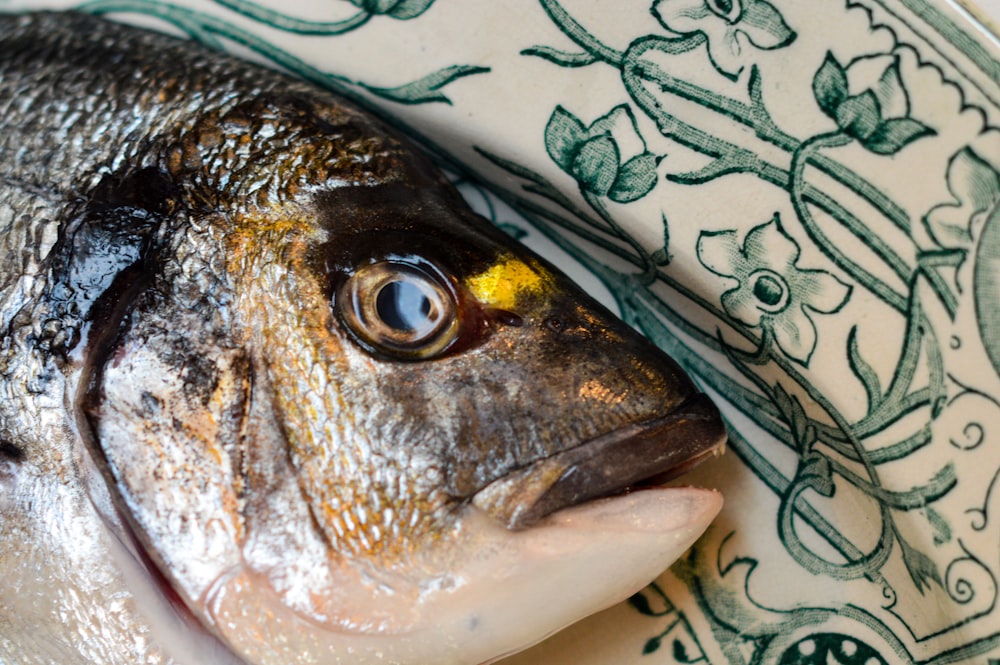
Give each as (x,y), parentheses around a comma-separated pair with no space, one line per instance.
(485,603)
(642,453)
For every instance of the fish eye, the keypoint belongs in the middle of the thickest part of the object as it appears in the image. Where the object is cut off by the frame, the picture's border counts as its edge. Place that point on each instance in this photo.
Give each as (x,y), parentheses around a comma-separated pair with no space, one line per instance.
(398,309)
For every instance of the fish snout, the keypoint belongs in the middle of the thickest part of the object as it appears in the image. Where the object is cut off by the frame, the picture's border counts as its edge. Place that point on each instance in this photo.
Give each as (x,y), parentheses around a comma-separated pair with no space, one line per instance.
(590,409)
(627,459)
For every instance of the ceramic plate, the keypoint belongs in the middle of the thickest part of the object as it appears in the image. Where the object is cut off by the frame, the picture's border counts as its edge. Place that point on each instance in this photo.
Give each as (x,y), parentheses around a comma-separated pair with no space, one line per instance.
(800,201)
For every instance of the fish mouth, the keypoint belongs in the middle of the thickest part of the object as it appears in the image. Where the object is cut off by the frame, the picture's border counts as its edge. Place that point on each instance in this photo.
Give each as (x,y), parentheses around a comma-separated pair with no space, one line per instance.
(640,455)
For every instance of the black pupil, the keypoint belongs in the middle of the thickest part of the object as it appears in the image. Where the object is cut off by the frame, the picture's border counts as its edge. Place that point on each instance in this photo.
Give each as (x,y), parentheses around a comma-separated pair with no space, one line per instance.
(405,307)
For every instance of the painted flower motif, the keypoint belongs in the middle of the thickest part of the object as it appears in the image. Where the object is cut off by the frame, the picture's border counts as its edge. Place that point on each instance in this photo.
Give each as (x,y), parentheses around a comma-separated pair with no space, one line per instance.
(868,102)
(400,9)
(730,26)
(975,186)
(772,291)
(608,158)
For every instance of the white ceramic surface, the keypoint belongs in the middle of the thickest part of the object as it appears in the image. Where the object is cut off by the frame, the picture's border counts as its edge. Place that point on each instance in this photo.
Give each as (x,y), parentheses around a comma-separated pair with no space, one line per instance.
(799,200)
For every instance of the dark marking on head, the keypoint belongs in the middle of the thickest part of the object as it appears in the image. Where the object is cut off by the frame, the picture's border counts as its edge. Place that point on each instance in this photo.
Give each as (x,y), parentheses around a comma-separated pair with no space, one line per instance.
(142,193)
(412,218)
(151,402)
(505,318)
(112,233)
(11,452)
(199,373)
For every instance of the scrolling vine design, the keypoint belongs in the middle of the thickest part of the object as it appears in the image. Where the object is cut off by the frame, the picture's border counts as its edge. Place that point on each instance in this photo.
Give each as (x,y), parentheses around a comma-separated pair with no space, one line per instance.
(775,299)
(211,30)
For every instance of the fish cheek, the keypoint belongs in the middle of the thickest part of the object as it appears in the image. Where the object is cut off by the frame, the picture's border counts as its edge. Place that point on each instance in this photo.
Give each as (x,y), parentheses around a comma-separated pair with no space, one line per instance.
(165,404)
(348,446)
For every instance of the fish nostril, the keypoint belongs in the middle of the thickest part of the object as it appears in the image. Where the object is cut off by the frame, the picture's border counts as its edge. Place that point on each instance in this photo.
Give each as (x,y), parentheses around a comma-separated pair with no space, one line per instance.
(10,451)
(567,328)
(555,323)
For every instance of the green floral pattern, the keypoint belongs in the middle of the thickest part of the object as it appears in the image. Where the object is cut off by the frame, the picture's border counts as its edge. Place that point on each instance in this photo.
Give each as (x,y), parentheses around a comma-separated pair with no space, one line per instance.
(868,102)
(208,29)
(975,187)
(731,28)
(772,291)
(400,9)
(608,158)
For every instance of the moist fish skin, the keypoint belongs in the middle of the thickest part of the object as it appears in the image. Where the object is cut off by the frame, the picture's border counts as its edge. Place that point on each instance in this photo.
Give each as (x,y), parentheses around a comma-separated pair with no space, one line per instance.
(270,392)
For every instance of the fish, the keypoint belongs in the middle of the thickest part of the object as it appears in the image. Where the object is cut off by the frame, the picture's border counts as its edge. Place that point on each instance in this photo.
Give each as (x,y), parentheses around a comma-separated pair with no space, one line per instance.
(270,392)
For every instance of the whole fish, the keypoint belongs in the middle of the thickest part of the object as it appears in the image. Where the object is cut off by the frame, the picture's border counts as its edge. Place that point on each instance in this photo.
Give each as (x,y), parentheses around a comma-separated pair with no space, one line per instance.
(271,393)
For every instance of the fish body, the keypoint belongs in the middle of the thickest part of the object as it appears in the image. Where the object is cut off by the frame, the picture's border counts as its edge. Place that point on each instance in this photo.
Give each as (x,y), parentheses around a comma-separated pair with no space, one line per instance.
(271,393)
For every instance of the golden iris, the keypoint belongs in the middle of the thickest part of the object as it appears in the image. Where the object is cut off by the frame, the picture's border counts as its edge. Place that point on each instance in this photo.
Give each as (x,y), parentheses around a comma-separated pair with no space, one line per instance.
(401,310)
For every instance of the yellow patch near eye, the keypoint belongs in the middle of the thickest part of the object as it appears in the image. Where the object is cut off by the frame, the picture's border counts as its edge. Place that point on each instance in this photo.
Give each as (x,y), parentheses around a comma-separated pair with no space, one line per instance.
(504,282)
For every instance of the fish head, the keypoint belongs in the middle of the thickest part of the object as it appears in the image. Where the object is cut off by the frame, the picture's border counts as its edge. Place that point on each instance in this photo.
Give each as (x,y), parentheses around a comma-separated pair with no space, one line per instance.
(349,420)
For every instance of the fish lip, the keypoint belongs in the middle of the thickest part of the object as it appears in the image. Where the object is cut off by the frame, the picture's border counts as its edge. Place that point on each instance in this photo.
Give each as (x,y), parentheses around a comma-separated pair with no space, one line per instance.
(646,453)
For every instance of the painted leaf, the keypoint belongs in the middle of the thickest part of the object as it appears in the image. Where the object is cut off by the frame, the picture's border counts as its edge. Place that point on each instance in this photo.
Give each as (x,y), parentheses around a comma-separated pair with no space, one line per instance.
(891,93)
(680,652)
(817,474)
(636,178)
(830,85)
(859,116)
(596,165)
(618,116)
(921,567)
(940,526)
(975,190)
(408,9)
(792,412)
(561,58)
(563,135)
(662,256)
(864,371)
(641,604)
(400,9)
(426,89)
(764,26)
(892,135)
